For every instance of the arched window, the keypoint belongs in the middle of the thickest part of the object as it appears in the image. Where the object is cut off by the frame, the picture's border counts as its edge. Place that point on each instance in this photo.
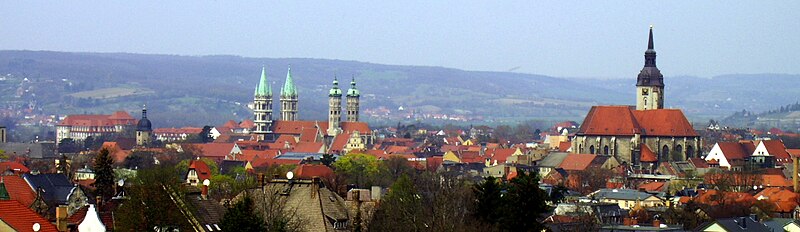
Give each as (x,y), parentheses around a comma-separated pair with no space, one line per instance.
(580,148)
(679,149)
(665,153)
(689,151)
(605,150)
(591,149)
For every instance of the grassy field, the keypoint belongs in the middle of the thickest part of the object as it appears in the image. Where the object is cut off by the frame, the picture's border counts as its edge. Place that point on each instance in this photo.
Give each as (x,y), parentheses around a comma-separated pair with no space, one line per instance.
(107,93)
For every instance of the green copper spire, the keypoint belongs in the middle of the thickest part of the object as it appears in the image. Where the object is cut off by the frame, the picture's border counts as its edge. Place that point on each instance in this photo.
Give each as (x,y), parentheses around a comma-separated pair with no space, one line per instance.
(353,92)
(289,90)
(264,88)
(335,91)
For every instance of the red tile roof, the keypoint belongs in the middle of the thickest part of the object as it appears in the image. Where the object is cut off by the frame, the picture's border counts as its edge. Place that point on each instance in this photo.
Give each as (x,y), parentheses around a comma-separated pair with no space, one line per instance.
(793,152)
(501,154)
(309,135)
(203,172)
(283,139)
(216,150)
(609,120)
(472,157)
(361,127)
(105,216)
(250,155)
(664,122)
(264,162)
(182,130)
(296,127)
(564,146)
(647,154)
(116,152)
(577,162)
(784,200)
(710,197)
(21,218)
(777,149)
(733,150)
(623,120)
(19,190)
(392,149)
(14,167)
(308,147)
(338,143)
(118,118)
(653,186)
(698,162)
(309,171)
(247,123)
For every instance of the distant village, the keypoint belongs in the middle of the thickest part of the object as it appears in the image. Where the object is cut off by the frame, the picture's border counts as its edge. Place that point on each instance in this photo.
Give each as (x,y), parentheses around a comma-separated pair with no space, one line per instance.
(641,167)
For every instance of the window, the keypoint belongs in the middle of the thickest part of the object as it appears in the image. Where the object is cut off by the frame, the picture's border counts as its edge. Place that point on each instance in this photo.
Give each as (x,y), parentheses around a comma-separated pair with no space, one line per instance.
(591,149)
(665,152)
(605,150)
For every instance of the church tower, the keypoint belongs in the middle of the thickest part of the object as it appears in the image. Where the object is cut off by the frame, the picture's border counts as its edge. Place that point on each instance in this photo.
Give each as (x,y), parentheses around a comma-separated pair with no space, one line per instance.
(262,107)
(143,130)
(334,109)
(650,83)
(352,102)
(289,99)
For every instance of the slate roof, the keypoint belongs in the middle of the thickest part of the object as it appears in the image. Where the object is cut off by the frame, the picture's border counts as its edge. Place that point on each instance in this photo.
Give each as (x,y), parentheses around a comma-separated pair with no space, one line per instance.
(21,218)
(31,150)
(311,201)
(554,159)
(622,194)
(57,187)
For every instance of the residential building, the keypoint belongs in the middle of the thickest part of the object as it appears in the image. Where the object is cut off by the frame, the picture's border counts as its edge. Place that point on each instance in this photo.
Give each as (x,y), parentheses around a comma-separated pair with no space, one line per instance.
(80,126)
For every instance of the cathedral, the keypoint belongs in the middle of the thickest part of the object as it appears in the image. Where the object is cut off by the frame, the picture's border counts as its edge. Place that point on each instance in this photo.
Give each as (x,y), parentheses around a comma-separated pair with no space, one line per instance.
(335,135)
(643,135)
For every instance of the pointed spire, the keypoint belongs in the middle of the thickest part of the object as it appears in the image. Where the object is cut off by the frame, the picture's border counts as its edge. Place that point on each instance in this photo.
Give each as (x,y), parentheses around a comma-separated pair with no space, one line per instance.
(650,41)
(263,88)
(353,92)
(289,90)
(144,111)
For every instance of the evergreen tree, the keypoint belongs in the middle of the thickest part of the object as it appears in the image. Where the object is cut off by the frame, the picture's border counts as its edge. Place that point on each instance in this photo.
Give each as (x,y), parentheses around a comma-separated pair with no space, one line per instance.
(401,210)
(524,203)
(205,135)
(242,217)
(488,200)
(104,174)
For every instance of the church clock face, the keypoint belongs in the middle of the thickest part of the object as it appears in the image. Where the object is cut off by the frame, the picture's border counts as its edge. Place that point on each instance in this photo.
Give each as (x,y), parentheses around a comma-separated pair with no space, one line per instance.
(644,92)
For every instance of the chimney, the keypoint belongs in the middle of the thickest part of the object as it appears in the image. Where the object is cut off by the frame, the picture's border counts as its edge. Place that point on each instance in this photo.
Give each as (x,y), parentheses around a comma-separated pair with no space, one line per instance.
(61,218)
(656,223)
(204,192)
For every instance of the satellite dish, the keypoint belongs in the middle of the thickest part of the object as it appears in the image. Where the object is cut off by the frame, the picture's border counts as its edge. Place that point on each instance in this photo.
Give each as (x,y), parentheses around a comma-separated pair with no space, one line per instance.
(206,182)
(289,175)
(36,226)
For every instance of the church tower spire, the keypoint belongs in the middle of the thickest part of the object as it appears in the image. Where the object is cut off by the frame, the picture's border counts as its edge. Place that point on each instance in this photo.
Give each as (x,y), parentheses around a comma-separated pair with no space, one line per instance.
(289,98)
(262,107)
(650,83)
(335,108)
(144,129)
(353,102)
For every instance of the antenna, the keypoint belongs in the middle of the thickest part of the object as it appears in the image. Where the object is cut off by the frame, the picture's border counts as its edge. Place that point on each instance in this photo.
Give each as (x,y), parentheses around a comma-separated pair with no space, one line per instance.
(289,175)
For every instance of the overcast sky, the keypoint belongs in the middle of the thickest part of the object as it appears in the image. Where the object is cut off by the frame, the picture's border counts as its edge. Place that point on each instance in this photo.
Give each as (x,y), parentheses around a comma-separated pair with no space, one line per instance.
(569,39)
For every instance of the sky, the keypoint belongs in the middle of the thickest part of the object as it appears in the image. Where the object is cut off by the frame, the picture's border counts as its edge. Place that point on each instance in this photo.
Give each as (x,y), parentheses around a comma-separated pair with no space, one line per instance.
(598,39)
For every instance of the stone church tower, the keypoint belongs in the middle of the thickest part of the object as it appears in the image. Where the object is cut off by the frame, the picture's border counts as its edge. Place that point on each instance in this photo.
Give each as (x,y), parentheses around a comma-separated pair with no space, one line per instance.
(650,83)
(144,130)
(353,102)
(289,99)
(334,109)
(262,107)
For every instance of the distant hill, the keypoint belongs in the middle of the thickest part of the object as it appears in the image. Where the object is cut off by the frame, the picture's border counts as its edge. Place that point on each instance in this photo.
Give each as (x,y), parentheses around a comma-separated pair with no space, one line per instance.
(198,90)
(786,118)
